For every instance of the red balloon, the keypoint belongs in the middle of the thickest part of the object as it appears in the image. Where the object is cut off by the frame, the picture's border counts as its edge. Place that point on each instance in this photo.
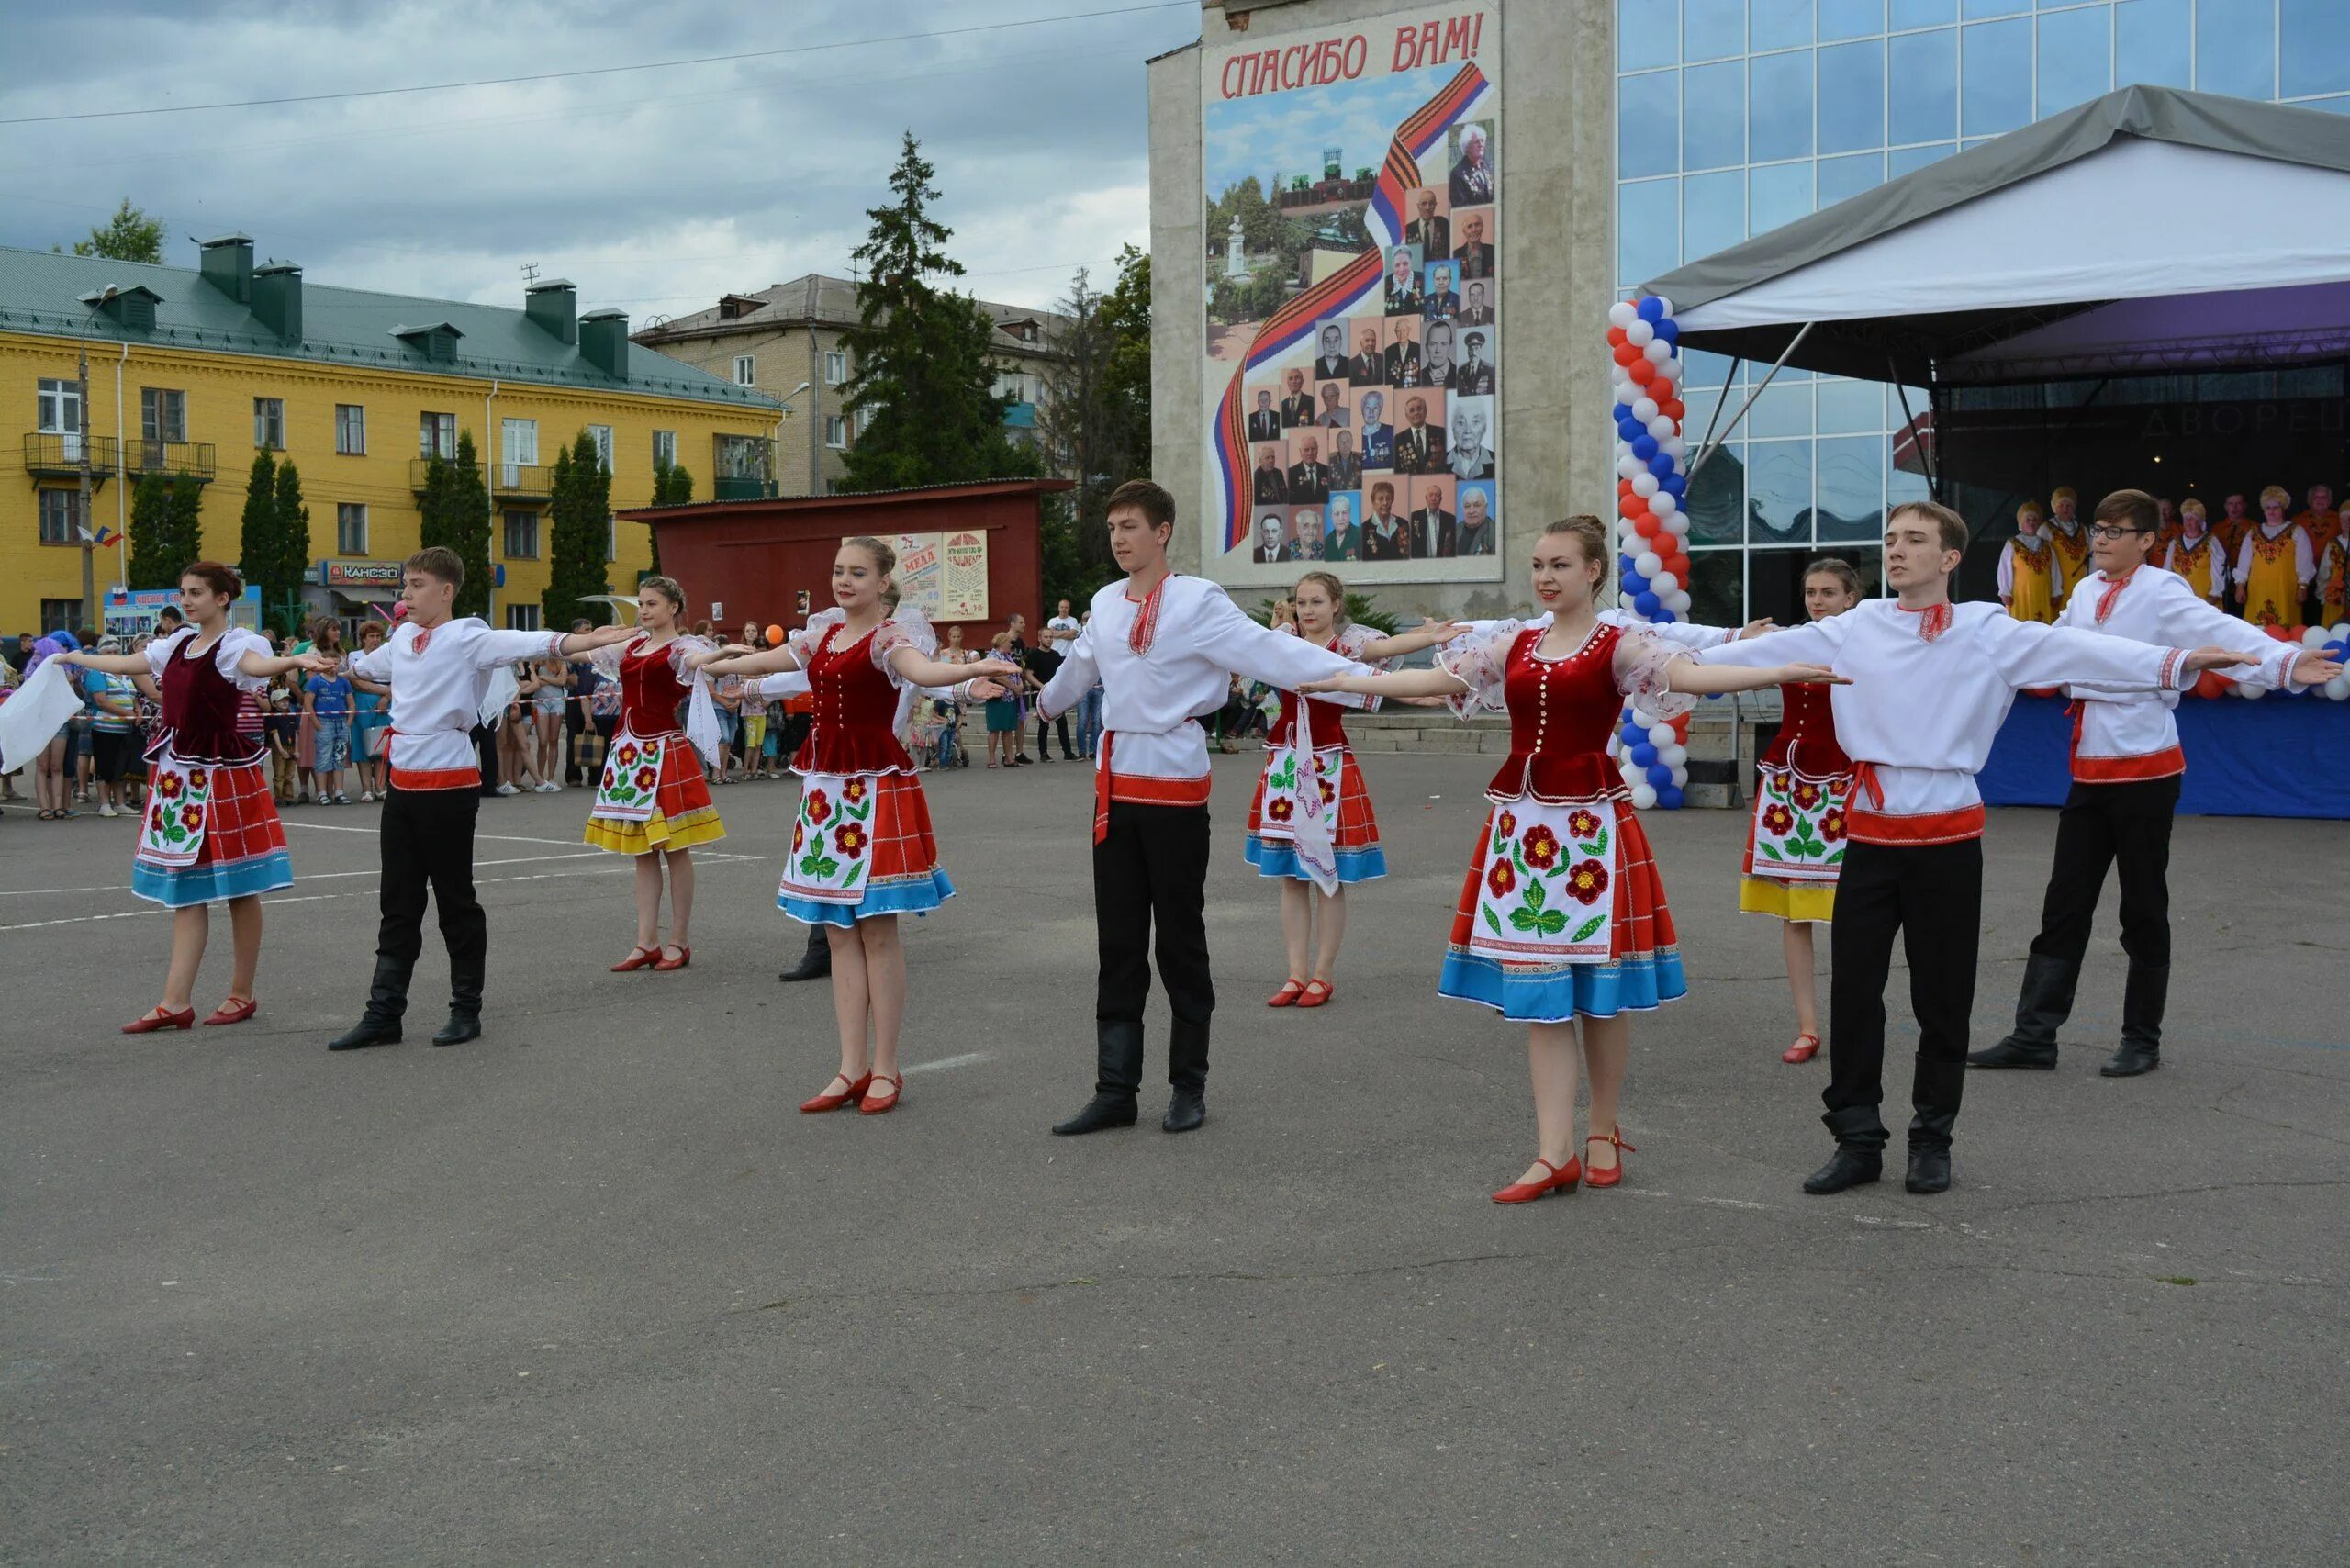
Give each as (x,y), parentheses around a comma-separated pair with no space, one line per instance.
(1616,337)
(1645,524)
(2276,631)
(1626,353)
(1673,409)
(2211,683)
(1631,506)
(1623,488)
(1640,369)
(2295,633)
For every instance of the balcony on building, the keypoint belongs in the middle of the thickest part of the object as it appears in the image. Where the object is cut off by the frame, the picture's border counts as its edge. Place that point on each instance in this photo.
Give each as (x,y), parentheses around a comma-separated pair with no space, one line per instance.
(170,459)
(523,481)
(745,468)
(54,454)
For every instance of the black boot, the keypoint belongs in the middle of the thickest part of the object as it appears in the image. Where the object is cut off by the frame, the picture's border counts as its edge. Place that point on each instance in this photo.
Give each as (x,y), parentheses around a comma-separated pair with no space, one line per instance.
(2141,1022)
(387,1001)
(1117,1079)
(816,963)
(2042,1007)
(1860,1151)
(1934,1094)
(465,1023)
(1187,1071)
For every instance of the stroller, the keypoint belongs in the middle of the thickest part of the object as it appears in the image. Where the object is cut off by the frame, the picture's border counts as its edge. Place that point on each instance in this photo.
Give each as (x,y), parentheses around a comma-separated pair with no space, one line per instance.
(937,743)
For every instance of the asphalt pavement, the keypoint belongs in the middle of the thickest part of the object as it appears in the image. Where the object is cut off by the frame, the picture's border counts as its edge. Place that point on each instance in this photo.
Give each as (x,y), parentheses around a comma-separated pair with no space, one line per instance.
(590,1291)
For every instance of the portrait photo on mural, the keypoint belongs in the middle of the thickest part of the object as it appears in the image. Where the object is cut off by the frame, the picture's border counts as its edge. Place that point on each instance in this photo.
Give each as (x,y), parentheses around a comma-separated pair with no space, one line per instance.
(1354,329)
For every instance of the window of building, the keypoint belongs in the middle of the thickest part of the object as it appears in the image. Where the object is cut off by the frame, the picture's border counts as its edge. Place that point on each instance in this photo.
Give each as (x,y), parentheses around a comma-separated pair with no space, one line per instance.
(59,614)
(522,536)
(2315,52)
(1011,384)
(1995,75)
(612,538)
(746,369)
(163,414)
(59,406)
(517,441)
(522,618)
(350,528)
(835,431)
(743,458)
(1647,107)
(436,435)
(665,449)
(60,517)
(2235,48)
(350,430)
(602,436)
(269,423)
(835,368)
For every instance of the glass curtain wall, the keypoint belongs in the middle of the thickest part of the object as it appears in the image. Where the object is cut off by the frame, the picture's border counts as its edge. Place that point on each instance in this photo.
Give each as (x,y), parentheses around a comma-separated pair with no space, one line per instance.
(1734,117)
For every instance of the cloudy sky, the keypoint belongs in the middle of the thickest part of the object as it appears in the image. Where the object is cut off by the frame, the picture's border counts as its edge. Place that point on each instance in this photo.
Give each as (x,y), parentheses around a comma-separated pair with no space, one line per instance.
(656,190)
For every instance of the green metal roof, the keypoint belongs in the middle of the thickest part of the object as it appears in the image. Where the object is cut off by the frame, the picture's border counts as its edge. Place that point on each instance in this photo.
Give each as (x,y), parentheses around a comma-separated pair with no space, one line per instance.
(41,293)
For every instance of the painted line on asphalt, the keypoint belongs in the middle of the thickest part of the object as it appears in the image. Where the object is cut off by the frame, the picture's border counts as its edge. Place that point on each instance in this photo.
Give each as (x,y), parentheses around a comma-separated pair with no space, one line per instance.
(947,1064)
(307,876)
(478,838)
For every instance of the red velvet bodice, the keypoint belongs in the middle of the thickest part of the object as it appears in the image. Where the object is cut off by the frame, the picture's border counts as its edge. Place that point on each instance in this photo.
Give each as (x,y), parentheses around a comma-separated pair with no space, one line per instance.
(1806,738)
(856,708)
(1560,713)
(200,709)
(1329,718)
(649,689)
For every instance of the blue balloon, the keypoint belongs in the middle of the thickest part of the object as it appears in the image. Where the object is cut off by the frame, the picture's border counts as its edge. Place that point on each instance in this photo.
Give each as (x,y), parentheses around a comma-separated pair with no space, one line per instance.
(1621,412)
(1631,583)
(1630,429)
(1659,775)
(1668,329)
(1665,618)
(1669,797)
(1677,483)
(2336,649)
(1644,446)
(1645,603)
(1644,756)
(1651,309)
(1623,566)
(1662,466)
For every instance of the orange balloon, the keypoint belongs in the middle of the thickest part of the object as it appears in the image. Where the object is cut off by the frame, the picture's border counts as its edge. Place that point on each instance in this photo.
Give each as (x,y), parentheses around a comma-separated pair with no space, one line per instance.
(775,636)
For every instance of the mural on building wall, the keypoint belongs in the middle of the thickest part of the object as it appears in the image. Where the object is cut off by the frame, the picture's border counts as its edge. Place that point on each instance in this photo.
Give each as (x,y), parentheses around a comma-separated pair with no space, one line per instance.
(1353,301)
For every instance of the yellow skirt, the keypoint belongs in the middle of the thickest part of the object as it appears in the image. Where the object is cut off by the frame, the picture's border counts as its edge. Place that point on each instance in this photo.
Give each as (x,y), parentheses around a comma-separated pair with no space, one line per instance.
(698,826)
(1813,902)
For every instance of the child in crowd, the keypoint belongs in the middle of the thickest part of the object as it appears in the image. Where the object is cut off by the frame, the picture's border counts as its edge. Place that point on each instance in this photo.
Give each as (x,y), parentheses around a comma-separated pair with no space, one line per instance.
(284,732)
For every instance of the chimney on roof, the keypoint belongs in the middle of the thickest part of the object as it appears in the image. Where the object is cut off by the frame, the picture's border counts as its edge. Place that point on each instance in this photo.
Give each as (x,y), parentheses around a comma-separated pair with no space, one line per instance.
(603,342)
(554,304)
(227,264)
(277,299)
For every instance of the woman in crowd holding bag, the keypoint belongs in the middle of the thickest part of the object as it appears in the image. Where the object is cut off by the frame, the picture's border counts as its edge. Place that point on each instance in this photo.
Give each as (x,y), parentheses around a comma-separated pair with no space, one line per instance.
(653,801)
(210,834)
(1795,841)
(1310,824)
(1563,919)
(862,851)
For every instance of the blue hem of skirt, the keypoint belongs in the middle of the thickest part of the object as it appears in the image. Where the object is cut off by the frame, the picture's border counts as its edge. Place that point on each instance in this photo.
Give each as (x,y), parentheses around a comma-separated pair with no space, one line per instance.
(1278,860)
(919,896)
(188,886)
(1558,996)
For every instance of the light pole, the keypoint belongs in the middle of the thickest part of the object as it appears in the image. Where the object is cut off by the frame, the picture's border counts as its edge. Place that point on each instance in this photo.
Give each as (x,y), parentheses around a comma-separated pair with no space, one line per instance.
(94,303)
(776,440)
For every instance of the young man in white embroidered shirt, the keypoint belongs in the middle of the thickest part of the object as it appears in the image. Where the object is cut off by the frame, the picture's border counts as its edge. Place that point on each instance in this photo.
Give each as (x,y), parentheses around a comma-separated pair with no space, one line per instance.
(2126,768)
(1931,682)
(440,672)
(1164,648)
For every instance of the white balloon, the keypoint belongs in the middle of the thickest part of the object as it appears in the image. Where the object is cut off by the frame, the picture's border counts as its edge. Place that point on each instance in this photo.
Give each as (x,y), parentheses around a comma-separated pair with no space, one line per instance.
(1644,409)
(1674,755)
(1648,563)
(1670,367)
(2339,629)
(2249,693)
(1658,350)
(1627,465)
(2316,637)
(1661,426)
(1623,313)
(2338,688)
(1660,734)
(1680,778)
(1664,505)
(1676,448)
(1644,484)
(1675,522)
(1615,742)
(1679,603)
(1643,798)
(1665,584)
(1641,334)
(1663,306)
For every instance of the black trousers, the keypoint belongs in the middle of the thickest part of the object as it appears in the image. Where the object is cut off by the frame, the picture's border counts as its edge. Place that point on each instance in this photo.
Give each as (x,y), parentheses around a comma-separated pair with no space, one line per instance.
(1066,749)
(1932,894)
(428,844)
(2122,825)
(574,724)
(1153,867)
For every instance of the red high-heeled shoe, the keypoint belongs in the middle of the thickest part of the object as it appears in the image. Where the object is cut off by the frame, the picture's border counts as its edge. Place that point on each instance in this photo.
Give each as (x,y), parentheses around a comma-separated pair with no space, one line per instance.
(233,1011)
(1318,993)
(1614,1175)
(872,1105)
(160,1018)
(685,956)
(1562,1179)
(1805,1047)
(832,1101)
(639,958)
(1292,988)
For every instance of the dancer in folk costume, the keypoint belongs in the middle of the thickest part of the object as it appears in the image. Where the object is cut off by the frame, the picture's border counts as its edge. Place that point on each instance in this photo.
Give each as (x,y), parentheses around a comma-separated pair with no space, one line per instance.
(2069,540)
(652,799)
(1931,683)
(2274,564)
(447,676)
(1563,922)
(1795,840)
(2028,568)
(1163,647)
(862,851)
(2126,768)
(210,834)
(1311,823)
(2197,554)
(2333,581)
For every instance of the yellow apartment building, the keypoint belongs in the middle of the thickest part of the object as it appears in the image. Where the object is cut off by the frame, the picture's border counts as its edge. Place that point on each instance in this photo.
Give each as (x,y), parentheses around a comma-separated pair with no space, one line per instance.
(192,369)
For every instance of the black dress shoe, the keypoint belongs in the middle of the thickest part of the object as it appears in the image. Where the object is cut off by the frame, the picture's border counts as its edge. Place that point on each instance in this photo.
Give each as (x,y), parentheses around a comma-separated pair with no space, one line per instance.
(1850,1168)
(1185,1112)
(1101,1112)
(462,1027)
(1929,1169)
(370,1031)
(2012,1052)
(2130,1060)
(811,965)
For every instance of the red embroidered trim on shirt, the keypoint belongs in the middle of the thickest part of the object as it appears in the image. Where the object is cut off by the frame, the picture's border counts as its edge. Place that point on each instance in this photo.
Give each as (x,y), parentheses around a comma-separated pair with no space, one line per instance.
(2113,588)
(1932,620)
(1146,626)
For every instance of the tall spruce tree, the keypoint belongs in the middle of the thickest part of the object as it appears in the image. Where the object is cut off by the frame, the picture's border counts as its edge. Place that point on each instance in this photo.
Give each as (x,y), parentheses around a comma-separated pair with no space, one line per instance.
(1095,419)
(150,507)
(580,515)
(468,505)
(257,533)
(183,525)
(289,559)
(923,389)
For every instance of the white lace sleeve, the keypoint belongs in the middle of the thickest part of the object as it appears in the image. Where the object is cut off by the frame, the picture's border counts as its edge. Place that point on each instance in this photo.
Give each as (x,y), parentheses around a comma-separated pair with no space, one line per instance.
(228,656)
(679,648)
(1641,663)
(887,638)
(606,661)
(1479,659)
(161,650)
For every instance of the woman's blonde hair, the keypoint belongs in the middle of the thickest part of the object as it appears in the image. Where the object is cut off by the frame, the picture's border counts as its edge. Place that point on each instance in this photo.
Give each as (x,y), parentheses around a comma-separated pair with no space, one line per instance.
(666,587)
(883,556)
(1328,582)
(1837,567)
(2191,507)
(1588,530)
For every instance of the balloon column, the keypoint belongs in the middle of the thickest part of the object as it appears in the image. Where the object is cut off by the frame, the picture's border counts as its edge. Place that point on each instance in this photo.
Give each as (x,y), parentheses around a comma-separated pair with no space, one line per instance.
(1652,528)
(2334,641)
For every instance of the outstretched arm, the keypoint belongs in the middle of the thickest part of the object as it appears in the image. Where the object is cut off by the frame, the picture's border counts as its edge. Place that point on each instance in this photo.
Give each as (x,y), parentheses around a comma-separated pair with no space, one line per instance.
(1401,683)
(915,668)
(1427,635)
(1688,676)
(109,664)
(1079,669)
(736,659)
